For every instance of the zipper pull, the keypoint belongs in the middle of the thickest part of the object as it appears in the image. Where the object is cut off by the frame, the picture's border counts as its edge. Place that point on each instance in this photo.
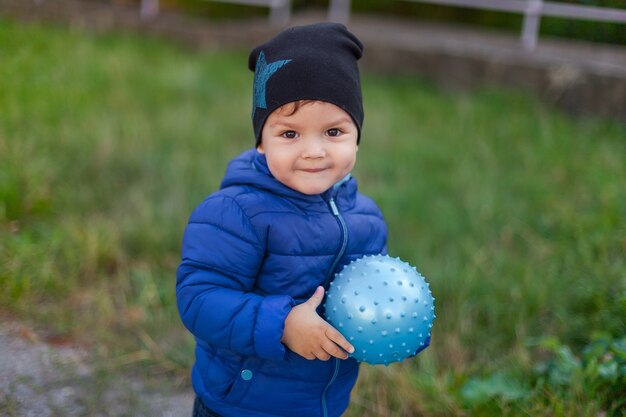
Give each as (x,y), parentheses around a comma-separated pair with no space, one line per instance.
(333,206)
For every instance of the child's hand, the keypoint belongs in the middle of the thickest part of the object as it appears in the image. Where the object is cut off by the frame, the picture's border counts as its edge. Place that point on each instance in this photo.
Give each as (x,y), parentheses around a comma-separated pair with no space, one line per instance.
(310,336)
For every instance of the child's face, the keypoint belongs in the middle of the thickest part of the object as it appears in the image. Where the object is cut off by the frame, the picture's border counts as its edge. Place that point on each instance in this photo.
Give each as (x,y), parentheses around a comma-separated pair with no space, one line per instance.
(311,149)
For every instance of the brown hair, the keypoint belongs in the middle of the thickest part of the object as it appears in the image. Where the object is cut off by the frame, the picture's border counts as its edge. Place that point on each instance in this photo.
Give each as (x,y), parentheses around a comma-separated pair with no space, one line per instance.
(292,108)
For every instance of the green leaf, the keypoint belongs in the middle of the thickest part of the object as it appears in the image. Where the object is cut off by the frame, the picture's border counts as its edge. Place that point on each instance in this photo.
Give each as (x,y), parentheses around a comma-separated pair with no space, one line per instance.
(608,370)
(480,390)
(618,347)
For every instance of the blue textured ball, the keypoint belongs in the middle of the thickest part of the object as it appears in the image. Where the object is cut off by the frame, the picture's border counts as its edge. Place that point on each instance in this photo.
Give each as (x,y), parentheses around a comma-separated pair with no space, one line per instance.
(383,306)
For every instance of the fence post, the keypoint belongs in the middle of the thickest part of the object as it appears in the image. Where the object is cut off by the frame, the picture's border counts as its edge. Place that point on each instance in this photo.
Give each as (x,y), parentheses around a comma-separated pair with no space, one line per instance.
(149,9)
(339,11)
(280,12)
(530,28)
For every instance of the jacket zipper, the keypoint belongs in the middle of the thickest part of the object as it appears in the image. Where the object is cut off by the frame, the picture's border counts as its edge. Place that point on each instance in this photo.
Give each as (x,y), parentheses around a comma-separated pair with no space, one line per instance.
(342,249)
(332,379)
(344,239)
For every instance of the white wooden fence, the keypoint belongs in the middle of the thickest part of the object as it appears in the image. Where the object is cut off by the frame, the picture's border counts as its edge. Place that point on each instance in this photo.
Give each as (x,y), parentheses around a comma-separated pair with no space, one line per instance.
(533,10)
(339,11)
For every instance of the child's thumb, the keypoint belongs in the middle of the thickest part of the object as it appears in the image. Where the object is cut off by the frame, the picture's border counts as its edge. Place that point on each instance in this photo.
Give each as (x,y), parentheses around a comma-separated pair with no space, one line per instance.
(317,297)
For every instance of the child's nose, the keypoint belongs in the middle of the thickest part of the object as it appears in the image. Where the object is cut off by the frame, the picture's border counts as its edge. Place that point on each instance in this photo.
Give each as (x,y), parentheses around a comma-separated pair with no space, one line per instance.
(314,148)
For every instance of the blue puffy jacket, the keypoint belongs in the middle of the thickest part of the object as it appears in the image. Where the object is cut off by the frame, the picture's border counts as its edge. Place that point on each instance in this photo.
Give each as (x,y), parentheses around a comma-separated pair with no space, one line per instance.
(252,251)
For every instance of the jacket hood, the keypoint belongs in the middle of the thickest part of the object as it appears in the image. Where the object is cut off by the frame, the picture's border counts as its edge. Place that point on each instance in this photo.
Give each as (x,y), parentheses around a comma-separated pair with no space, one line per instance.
(250,169)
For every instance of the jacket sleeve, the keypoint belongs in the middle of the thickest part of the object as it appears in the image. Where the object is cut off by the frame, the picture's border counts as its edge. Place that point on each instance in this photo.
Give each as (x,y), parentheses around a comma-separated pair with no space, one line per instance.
(221,256)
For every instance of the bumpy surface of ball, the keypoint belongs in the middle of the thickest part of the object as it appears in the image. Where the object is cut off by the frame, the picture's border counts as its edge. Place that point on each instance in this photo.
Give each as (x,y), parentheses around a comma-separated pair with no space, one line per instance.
(383,306)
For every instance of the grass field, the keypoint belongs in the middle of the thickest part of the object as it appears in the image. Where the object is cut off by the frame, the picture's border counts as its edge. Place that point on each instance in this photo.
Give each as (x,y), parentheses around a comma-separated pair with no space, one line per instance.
(513,211)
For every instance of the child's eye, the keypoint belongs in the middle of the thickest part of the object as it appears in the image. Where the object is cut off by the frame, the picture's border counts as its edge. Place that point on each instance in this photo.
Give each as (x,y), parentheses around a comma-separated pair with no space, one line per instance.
(289,134)
(333,132)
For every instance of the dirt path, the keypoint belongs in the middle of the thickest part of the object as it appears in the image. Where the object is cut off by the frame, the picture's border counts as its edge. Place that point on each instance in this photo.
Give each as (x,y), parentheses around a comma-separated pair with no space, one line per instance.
(40,380)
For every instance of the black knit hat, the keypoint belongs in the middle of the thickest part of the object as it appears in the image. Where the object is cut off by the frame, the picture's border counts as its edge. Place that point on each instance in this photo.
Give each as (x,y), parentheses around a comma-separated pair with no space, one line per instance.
(314,62)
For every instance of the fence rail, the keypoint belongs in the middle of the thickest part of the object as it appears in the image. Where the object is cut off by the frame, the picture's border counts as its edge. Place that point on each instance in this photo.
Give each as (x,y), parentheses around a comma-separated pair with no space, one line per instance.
(280,10)
(339,11)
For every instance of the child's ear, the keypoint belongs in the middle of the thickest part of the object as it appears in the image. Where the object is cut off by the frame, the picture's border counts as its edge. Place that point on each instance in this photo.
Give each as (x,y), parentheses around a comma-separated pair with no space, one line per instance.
(259,148)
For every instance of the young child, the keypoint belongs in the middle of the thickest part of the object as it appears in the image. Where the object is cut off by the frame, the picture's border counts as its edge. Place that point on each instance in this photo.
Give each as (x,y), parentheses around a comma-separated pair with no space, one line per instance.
(258,253)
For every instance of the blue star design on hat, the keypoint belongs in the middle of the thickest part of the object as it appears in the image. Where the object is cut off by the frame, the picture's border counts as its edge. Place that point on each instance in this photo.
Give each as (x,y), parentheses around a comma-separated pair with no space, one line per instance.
(262,74)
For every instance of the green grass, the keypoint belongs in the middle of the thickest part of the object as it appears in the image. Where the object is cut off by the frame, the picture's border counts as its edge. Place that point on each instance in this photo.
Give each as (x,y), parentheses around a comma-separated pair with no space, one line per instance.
(513,211)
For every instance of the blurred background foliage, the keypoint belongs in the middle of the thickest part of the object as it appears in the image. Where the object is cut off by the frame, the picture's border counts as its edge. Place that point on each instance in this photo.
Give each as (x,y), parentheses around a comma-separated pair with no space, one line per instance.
(512,210)
(512,22)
